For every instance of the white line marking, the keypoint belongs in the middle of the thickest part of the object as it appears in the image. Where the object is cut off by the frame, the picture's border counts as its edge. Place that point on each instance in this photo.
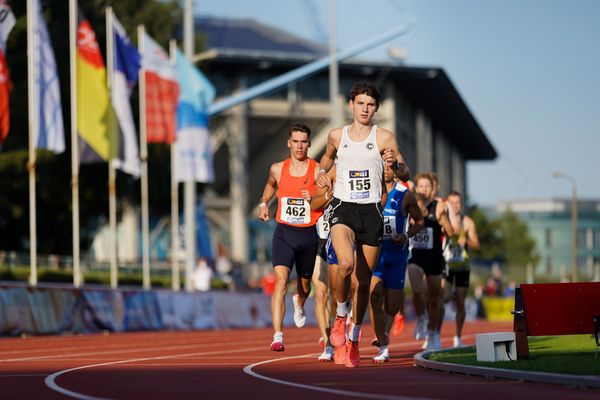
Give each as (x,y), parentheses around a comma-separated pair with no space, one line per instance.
(248,370)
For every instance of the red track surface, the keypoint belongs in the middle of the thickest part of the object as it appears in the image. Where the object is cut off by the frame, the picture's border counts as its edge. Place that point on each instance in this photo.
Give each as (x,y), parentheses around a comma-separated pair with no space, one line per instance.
(237,364)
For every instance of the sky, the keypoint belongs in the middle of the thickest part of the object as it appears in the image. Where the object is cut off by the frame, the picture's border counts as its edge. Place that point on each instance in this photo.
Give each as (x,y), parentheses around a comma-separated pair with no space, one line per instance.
(529,71)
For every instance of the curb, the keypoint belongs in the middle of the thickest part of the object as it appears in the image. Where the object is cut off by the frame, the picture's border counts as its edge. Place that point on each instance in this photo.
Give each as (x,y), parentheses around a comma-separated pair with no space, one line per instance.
(584,381)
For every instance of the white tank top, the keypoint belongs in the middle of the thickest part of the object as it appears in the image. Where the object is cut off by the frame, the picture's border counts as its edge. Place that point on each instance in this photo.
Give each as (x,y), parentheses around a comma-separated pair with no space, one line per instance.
(359,169)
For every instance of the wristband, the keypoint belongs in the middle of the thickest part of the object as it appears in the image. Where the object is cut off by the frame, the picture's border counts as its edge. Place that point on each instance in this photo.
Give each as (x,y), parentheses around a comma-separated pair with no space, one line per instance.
(263,204)
(327,195)
(323,171)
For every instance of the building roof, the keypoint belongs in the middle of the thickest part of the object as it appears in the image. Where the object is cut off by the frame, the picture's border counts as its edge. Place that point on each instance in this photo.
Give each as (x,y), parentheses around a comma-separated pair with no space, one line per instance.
(246,41)
(246,37)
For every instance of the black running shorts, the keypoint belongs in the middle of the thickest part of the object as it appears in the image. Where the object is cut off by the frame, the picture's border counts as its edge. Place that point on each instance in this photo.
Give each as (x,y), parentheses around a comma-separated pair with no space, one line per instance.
(458,278)
(295,245)
(366,220)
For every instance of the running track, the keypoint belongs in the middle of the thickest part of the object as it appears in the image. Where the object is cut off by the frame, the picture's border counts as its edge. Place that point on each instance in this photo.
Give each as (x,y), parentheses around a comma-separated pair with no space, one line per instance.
(237,364)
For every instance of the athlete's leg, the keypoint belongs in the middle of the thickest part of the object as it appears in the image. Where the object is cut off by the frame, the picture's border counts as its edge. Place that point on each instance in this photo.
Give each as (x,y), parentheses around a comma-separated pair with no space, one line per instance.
(416,276)
(319,280)
(376,309)
(343,243)
(282,273)
(366,259)
(461,294)
(434,287)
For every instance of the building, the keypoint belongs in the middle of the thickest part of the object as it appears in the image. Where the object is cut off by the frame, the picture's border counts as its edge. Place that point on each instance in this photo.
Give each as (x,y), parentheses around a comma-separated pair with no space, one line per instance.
(434,127)
(550,224)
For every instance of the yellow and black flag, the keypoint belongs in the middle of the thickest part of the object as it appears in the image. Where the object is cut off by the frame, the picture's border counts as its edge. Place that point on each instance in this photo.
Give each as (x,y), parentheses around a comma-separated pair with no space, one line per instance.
(96,122)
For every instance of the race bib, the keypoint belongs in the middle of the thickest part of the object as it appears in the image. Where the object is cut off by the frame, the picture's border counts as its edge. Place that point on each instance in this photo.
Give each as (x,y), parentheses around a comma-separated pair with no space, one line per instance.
(323,227)
(295,211)
(456,257)
(423,239)
(358,185)
(389,227)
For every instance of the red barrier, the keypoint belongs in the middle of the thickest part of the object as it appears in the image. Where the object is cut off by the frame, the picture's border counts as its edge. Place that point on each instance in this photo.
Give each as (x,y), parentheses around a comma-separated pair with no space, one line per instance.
(554,309)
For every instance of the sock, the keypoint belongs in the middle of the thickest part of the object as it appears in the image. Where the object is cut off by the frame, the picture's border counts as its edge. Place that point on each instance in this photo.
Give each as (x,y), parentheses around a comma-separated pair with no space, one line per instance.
(354,332)
(342,309)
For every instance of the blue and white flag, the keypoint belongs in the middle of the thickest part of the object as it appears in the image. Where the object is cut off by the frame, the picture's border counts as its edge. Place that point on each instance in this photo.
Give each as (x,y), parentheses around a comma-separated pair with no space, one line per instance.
(50,132)
(126,64)
(194,148)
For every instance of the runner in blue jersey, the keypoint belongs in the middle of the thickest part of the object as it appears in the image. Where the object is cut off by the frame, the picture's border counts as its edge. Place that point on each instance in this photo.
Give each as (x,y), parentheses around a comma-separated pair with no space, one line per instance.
(387,283)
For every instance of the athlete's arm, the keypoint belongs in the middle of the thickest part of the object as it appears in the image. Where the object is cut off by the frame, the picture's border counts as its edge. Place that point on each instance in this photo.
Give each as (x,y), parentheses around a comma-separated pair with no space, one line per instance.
(472,238)
(410,206)
(333,140)
(323,195)
(389,147)
(269,191)
(441,213)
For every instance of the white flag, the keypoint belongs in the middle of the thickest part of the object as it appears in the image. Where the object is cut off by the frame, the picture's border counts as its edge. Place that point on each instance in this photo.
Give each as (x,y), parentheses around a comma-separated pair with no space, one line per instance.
(50,133)
(126,65)
(194,147)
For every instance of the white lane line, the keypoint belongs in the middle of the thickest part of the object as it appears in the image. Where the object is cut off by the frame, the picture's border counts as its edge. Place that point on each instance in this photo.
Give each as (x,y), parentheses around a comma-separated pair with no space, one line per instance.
(50,380)
(249,370)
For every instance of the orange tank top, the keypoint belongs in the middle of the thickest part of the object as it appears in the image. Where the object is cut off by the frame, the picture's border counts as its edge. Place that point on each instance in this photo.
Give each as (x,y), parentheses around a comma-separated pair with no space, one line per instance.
(292,209)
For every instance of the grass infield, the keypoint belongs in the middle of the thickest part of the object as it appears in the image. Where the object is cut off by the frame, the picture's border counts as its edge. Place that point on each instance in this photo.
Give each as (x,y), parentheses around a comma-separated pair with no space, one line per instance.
(572,354)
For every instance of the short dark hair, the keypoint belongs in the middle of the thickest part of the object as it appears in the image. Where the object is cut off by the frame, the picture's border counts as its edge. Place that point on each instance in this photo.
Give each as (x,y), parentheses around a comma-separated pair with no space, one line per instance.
(299,128)
(454,193)
(367,88)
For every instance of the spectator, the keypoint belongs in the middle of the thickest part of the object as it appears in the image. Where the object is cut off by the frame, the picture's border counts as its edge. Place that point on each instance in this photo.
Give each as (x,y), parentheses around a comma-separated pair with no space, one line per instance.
(202,276)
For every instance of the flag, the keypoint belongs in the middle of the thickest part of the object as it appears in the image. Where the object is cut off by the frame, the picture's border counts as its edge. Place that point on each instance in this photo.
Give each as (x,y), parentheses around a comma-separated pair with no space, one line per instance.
(162,91)
(194,148)
(50,132)
(7,21)
(96,122)
(126,65)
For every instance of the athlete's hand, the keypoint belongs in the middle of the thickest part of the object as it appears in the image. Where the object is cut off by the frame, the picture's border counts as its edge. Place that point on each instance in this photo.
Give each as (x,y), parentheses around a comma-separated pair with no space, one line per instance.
(263,213)
(323,180)
(400,239)
(389,156)
(306,194)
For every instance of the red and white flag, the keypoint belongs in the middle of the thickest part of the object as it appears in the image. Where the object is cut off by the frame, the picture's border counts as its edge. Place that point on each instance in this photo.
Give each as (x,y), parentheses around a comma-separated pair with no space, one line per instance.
(7,21)
(162,93)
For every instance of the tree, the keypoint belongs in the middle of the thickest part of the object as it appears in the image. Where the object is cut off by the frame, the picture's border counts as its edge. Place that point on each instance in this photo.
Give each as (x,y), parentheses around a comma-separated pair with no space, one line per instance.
(505,239)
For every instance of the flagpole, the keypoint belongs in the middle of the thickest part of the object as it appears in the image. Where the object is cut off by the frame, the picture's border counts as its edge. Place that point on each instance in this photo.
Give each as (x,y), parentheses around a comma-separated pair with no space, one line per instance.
(33,117)
(112,190)
(74,141)
(190,184)
(144,168)
(175,284)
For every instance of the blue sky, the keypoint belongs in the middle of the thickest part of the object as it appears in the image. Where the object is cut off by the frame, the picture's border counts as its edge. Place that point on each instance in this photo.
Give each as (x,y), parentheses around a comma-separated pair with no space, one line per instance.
(528,70)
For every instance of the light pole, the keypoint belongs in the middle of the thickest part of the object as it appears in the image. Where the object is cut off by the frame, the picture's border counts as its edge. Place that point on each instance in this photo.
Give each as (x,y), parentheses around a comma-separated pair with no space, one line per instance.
(573,219)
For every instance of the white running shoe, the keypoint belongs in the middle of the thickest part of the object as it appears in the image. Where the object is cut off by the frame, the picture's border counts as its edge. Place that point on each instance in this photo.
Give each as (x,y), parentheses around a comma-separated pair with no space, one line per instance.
(421,328)
(425,343)
(433,341)
(382,357)
(457,342)
(299,313)
(327,354)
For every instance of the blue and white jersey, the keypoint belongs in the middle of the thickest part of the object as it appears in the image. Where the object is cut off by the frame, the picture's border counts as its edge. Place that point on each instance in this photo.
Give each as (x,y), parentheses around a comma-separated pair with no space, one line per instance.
(394,222)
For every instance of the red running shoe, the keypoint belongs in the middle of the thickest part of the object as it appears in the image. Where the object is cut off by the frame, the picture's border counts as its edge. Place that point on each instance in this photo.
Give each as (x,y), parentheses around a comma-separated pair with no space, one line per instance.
(277,344)
(339,355)
(352,355)
(398,326)
(337,337)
